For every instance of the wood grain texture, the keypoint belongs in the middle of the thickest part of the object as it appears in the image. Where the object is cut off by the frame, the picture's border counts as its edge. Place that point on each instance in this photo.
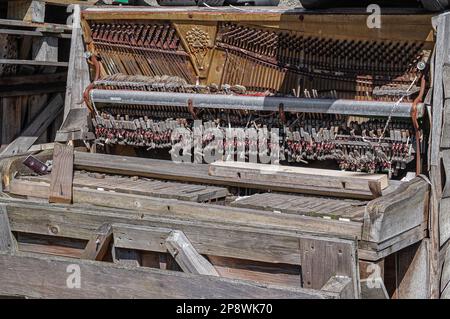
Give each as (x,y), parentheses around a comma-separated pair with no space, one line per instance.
(413,272)
(98,245)
(390,215)
(186,256)
(196,173)
(62,174)
(323,259)
(445,278)
(7,242)
(44,277)
(297,175)
(161,207)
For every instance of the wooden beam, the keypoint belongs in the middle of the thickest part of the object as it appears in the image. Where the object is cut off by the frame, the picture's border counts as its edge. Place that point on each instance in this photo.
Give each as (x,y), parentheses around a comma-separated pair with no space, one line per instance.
(35,129)
(195,173)
(98,245)
(34,63)
(62,174)
(48,277)
(186,256)
(162,207)
(394,213)
(7,242)
(298,175)
(78,74)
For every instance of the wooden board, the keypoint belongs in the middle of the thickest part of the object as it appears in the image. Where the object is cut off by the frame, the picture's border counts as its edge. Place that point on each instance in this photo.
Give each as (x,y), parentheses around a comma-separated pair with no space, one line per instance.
(392,214)
(339,209)
(160,207)
(45,277)
(142,186)
(186,256)
(197,173)
(244,240)
(62,174)
(305,177)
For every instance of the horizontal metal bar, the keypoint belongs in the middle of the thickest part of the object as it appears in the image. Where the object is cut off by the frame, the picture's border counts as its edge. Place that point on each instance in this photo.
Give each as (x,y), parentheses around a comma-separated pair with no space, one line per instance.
(254,103)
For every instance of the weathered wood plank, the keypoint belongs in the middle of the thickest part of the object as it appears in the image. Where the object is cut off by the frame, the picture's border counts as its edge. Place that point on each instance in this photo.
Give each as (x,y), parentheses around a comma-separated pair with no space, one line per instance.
(297,175)
(62,174)
(78,74)
(7,242)
(98,245)
(186,256)
(180,209)
(392,214)
(413,272)
(44,277)
(323,259)
(194,173)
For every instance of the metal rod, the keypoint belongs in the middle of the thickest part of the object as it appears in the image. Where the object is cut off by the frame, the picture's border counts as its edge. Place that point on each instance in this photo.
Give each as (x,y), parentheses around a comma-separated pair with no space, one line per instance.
(255,103)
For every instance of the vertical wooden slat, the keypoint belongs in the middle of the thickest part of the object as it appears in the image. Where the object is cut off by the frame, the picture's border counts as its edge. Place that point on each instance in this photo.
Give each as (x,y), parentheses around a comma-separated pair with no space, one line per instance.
(62,174)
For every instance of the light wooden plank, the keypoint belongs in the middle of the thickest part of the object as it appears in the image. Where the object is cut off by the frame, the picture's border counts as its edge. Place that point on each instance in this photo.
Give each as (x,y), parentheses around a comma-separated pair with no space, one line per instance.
(186,256)
(45,277)
(297,175)
(62,174)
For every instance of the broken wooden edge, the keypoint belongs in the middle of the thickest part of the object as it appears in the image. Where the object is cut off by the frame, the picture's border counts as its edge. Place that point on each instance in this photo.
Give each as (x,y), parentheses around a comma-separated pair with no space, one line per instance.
(392,214)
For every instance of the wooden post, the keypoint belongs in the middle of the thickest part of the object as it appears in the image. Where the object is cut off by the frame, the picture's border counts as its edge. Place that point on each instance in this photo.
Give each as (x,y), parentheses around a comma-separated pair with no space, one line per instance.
(62,174)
